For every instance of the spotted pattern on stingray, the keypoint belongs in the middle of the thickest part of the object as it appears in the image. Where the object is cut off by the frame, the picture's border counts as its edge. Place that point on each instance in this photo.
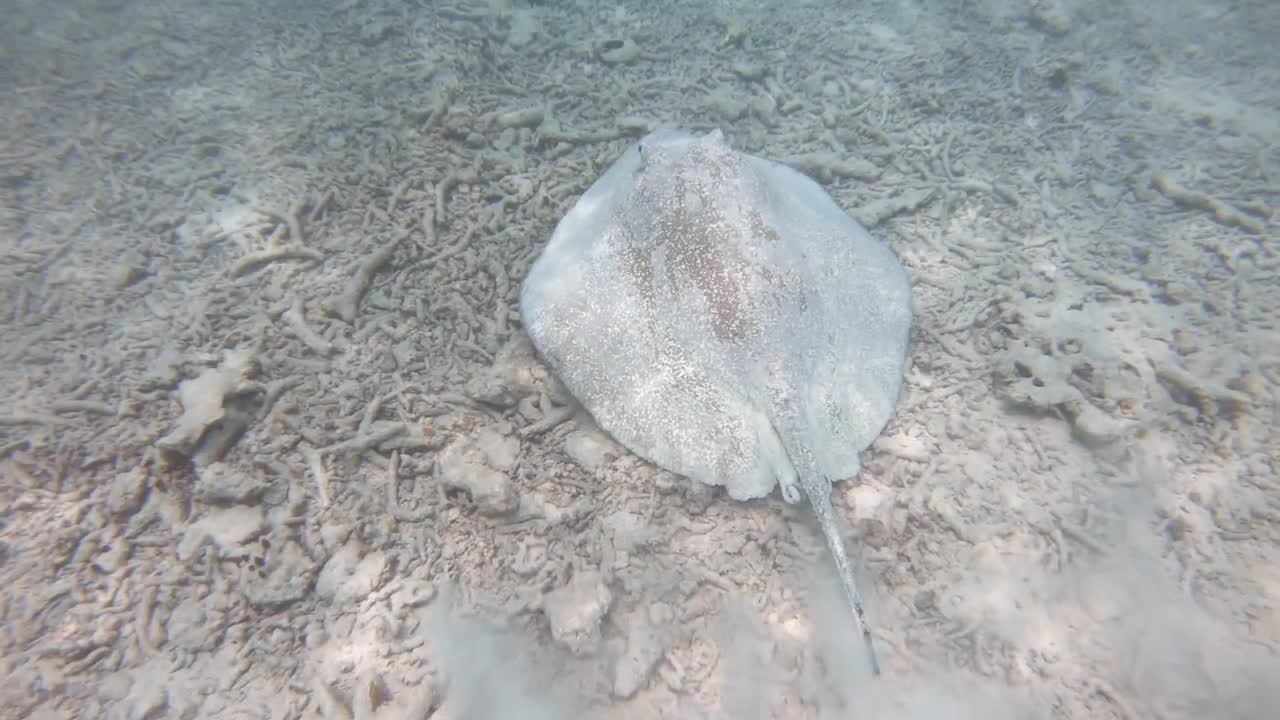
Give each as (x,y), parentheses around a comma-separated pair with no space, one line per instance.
(687,243)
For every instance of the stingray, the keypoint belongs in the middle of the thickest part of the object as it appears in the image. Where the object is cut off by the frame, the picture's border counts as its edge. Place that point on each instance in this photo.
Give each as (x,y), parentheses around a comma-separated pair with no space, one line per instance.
(720,316)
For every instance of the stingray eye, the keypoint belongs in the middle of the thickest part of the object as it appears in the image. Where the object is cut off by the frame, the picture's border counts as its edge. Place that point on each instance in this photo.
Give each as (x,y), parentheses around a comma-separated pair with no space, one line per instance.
(640,148)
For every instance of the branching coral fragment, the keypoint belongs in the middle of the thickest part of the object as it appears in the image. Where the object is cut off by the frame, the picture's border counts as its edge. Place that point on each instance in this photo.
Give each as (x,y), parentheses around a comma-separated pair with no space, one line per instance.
(1221,211)
(347,304)
(255,260)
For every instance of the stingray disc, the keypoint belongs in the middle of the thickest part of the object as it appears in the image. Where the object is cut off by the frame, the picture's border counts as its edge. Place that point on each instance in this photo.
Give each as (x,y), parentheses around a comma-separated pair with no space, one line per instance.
(722,317)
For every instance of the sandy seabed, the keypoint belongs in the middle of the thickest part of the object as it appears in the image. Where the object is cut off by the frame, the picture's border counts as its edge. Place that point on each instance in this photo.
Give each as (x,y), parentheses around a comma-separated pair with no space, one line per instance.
(274,446)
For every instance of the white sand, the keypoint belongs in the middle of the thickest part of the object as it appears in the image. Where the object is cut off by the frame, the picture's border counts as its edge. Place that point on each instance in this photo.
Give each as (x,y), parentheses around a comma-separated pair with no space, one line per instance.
(309,226)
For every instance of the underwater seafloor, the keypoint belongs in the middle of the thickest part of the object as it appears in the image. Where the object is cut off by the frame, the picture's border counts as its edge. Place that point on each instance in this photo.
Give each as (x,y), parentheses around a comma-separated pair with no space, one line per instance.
(272,446)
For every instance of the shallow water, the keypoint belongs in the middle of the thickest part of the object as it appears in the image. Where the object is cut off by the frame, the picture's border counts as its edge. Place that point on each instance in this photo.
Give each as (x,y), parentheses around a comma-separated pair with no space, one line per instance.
(275,446)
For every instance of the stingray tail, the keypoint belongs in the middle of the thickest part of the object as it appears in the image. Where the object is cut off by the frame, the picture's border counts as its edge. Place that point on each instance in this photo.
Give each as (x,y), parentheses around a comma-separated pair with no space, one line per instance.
(821,502)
